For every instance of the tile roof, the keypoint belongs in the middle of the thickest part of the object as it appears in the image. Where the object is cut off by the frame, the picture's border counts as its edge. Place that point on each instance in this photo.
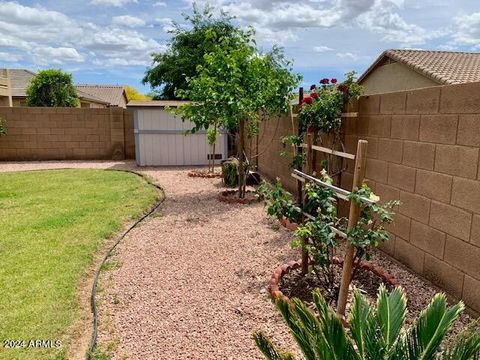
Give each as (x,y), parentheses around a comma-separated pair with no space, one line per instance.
(443,67)
(20,80)
(113,94)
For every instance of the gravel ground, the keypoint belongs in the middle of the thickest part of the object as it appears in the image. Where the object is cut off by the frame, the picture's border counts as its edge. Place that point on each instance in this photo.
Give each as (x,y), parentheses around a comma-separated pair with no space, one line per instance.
(190,283)
(192,280)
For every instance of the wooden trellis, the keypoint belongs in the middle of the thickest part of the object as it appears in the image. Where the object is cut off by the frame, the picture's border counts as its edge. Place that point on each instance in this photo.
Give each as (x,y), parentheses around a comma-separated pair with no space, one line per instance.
(358,177)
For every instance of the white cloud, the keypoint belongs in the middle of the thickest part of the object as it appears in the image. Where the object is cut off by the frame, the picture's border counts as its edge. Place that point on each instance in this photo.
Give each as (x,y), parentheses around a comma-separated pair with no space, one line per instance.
(46,37)
(61,55)
(167,24)
(117,3)
(10,57)
(160,4)
(383,20)
(467,30)
(347,55)
(127,20)
(322,49)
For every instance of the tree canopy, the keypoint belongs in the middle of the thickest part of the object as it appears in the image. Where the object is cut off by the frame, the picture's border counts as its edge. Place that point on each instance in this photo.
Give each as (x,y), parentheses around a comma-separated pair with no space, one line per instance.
(52,88)
(134,94)
(236,85)
(172,69)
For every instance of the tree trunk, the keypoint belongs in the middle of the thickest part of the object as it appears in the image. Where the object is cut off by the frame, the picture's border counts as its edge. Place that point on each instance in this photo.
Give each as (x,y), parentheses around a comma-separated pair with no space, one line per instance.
(241,159)
(215,143)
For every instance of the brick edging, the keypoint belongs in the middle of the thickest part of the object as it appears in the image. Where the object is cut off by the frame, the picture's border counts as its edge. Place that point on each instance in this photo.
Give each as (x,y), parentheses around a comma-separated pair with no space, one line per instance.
(224,197)
(199,174)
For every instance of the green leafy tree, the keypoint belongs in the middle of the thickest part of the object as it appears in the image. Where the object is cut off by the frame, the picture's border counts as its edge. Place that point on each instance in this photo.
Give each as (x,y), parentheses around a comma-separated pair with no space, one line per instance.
(376,332)
(171,70)
(236,87)
(52,88)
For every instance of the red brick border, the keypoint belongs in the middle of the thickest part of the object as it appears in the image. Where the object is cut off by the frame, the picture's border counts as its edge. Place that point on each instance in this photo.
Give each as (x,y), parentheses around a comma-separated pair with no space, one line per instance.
(225,196)
(200,174)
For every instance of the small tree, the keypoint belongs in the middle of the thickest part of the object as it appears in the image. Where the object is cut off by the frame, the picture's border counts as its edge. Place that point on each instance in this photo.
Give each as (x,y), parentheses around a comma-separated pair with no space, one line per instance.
(52,88)
(235,86)
(212,134)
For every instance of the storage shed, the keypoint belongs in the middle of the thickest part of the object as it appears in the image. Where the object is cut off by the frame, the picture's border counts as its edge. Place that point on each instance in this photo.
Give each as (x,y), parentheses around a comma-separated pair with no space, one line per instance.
(161,137)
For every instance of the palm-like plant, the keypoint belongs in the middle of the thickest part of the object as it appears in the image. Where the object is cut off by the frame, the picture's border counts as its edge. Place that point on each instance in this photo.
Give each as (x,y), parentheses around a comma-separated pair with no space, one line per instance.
(376,332)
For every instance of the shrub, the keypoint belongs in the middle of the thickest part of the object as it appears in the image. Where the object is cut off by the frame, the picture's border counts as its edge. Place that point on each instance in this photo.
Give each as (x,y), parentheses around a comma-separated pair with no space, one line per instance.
(376,332)
(52,88)
(279,202)
(230,172)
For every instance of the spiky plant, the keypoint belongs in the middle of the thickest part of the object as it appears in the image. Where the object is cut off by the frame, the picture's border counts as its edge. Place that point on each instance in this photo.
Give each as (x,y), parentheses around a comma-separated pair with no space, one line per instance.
(376,332)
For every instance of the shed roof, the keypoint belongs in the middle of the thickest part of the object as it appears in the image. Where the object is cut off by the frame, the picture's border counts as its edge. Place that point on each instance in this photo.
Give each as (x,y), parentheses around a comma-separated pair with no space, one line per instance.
(443,67)
(156,103)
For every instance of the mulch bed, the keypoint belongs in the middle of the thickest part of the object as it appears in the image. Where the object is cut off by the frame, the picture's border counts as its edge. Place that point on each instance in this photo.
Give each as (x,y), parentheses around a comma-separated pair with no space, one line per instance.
(231,197)
(204,174)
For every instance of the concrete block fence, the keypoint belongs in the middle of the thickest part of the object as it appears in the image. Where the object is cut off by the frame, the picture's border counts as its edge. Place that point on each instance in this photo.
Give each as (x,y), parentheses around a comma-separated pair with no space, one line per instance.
(424,149)
(66,134)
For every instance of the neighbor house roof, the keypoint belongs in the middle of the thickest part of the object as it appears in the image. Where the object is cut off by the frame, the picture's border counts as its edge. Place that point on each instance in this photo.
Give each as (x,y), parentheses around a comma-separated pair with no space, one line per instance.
(156,103)
(113,94)
(20,80)
(443,67)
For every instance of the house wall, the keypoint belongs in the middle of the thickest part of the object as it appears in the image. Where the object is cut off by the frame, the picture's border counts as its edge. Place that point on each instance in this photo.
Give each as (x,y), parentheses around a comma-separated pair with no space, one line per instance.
(423,149)
(66,133)
(394,77)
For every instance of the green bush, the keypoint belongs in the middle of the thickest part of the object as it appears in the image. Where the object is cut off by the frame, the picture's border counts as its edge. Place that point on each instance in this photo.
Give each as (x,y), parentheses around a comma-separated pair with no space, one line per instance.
(376,332)
(230,172)
(52,88)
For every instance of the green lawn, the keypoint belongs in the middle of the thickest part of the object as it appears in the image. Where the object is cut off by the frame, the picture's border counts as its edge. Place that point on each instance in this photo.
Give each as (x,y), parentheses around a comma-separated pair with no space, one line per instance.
(51,225)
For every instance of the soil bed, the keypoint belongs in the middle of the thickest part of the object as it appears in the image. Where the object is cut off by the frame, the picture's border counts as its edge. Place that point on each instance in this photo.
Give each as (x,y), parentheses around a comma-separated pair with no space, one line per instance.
(231,196)
(294,284)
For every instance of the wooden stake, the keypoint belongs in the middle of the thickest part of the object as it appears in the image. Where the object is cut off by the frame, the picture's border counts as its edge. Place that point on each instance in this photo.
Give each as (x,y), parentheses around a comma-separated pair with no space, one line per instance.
(308,171)
(358,177)
(241,159)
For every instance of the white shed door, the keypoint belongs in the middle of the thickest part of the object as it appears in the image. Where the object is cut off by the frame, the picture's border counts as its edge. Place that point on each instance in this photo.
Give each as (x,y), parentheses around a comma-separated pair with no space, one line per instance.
(160,140)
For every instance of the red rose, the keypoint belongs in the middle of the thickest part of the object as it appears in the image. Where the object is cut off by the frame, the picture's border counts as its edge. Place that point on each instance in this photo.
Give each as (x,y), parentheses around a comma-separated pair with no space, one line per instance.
(343,88)
(314,95)
(324,81)
(333,81)
(307,100)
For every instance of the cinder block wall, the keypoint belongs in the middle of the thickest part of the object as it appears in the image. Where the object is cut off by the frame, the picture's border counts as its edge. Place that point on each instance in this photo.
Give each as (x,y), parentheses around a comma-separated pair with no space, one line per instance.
(424,150)
(66,133)
(270,146)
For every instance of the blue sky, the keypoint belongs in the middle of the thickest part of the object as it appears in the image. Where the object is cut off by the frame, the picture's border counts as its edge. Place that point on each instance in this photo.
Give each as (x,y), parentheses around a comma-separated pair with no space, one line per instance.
(110,41)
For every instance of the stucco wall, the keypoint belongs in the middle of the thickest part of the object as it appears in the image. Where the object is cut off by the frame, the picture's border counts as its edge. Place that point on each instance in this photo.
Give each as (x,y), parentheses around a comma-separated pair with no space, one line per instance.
(66,133)
(394,77)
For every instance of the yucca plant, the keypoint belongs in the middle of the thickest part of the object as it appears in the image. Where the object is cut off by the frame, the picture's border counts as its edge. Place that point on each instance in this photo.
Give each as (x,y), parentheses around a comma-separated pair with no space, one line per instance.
(376,332)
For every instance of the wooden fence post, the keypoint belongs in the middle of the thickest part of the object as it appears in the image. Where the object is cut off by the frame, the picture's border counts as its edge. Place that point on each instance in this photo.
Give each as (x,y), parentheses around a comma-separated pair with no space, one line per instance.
(358,177)
(308,171)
